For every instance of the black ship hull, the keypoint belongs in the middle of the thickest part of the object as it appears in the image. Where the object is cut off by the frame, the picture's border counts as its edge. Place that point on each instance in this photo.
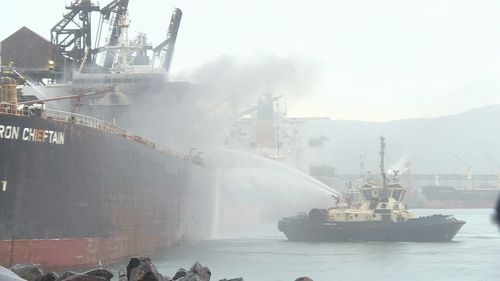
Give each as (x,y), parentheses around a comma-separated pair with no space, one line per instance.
(77,195)
(450,197)
(437,228)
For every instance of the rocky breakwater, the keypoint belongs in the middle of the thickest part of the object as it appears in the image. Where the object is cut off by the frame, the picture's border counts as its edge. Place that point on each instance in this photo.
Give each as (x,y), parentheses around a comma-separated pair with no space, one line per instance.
(138,269)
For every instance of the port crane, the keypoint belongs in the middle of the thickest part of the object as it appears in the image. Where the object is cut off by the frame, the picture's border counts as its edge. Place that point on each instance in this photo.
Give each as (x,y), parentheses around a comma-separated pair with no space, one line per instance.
(467,172)
(71,37)
(114,13)
(163,53)
(497,168)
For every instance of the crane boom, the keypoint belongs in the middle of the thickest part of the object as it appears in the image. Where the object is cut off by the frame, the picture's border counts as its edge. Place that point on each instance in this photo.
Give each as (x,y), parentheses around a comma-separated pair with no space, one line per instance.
(99,91)
(164,52)
(467,172)
(71,36)
(113,12)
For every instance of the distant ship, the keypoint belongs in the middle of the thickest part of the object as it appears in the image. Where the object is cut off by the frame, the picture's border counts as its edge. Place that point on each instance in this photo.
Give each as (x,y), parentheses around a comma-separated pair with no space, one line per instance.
(378,215)
(449,197)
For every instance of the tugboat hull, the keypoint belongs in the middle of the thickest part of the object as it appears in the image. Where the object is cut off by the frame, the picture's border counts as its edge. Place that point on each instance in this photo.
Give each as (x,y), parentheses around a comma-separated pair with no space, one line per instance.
(437,228)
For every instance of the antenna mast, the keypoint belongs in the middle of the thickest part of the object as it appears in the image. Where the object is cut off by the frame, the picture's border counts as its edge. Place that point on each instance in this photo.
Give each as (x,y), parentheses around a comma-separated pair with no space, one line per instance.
(383,194)
(382,168)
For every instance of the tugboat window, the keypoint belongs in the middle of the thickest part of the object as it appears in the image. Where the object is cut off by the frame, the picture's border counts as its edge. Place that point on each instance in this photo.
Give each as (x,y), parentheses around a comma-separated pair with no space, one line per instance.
(367,194)
(396,194)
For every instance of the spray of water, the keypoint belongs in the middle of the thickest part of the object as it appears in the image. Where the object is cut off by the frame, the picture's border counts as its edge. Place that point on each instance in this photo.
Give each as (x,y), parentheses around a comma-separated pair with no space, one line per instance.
(232,157)
(41,95)
(252,191)
(216,212)
(399,164)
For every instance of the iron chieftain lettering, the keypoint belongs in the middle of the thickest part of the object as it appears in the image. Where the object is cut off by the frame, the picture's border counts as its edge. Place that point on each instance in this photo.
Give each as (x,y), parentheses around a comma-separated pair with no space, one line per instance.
(31,134)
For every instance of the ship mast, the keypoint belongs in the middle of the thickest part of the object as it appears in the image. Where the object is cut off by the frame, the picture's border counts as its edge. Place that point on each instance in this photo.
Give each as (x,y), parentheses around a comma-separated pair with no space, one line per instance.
(382,168)
(383,193)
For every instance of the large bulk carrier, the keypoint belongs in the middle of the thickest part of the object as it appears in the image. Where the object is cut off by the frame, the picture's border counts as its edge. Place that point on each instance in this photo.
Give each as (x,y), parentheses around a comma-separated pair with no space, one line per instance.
(76,191)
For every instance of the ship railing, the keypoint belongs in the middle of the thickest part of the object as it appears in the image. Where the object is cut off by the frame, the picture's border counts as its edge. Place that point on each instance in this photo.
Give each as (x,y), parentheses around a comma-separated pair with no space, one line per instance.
(75,118)
(87,121)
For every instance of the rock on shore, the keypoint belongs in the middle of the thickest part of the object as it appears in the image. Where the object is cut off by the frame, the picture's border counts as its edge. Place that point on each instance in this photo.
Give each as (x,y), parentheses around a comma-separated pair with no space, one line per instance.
(138,269)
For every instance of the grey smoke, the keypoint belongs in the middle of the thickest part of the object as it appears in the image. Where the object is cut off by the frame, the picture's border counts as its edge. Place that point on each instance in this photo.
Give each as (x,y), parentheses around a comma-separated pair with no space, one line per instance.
(244,81)
(203,115)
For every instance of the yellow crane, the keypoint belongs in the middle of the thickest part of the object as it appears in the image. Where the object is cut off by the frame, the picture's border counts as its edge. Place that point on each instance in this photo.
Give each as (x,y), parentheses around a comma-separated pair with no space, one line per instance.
(467,172)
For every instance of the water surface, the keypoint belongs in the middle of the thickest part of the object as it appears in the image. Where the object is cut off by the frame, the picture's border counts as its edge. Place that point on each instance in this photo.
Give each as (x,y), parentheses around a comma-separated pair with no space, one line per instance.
(264,254)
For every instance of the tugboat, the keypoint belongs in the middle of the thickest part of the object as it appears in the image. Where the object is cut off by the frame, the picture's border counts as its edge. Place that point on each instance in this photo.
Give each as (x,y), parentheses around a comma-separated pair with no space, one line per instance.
(379,215)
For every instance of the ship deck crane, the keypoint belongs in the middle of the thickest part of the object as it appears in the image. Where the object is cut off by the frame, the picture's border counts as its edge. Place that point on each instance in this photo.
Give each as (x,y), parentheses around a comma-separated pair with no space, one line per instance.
(467,172)
(214,107)
(95,92)
(256,107)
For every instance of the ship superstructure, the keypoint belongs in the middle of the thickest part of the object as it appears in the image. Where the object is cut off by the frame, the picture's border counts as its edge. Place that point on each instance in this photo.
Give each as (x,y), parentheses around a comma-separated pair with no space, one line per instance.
(266,130)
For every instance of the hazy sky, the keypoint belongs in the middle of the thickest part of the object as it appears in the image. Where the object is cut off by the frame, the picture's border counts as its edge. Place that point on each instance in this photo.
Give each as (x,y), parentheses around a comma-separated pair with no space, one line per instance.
(378,60)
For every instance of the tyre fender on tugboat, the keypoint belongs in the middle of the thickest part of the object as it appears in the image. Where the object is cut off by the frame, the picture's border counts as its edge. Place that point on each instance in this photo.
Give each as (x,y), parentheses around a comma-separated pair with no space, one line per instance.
(318,216)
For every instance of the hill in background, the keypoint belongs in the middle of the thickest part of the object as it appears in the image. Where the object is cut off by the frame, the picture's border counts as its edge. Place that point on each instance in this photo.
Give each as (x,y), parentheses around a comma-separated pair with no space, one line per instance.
(430,144)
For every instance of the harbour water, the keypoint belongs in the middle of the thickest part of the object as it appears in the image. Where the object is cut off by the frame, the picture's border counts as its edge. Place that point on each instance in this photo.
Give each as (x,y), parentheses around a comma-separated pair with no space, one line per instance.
(264,254)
